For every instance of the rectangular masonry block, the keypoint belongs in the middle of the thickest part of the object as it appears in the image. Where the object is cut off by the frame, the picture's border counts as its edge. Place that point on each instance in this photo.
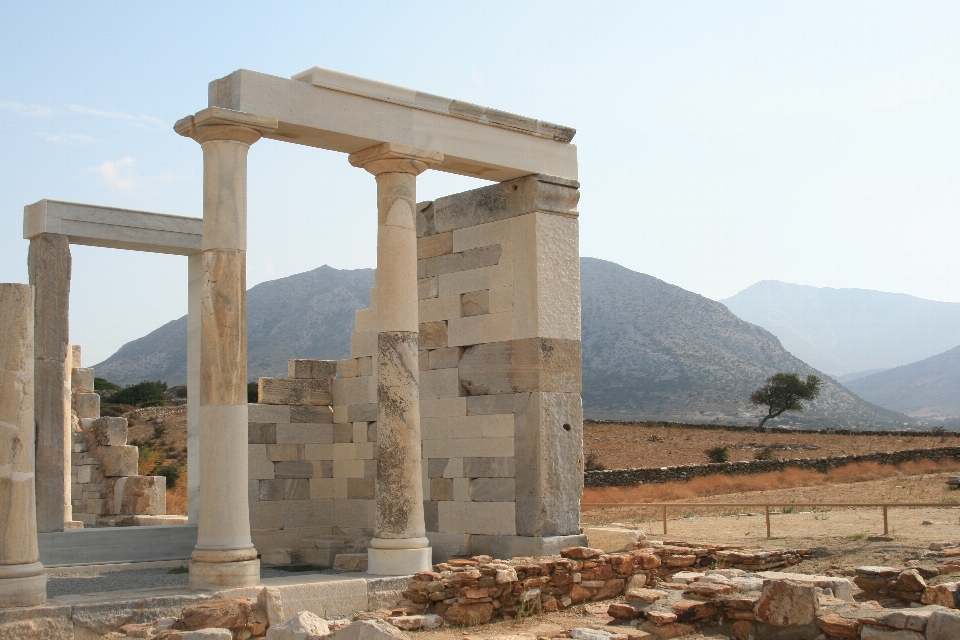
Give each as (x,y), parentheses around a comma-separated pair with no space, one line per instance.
(268,413)
(490,518)
(441,489)
(443,407)
(318,369)
(449,263)
(266,516)
(517,366)
(435,245)
(261,433)
(347,468)
(482,235)
(433,335)
(360,488)
(496,327)
(428,288)
(370,468)
(81,379)
(431,518)
(362,412)
(260,469)
(489,405)
(294,391)
(293,469)
(109,432)
(347,367)
(441,308)
(354,450)
(88,405)
(256,452)
(475,303)
(301,514)
(440,383)
(322,468)
(372,431)
(316,452)
(423,360)
(253,490)
(506,255)
(365,319)
(359,431)
(464,447)
(463,281)
(339,412)
(311,415)
(448,358)
(304,433)
(348,391)
(501,276)
(464,331)
(366,365)
(119,461)
(489,467)
(451,517)
(343,432)
(492,490)
(451,428)
(363,343)
(498,425)
(281,452)
(321,488)
(501,300)
(353,513)
(461,489)
(482,256)
(284,489)
(436,466)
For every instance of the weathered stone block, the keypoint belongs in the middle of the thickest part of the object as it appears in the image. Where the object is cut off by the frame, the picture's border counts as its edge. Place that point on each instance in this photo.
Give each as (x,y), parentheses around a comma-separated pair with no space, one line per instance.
(299,514)
(266,516)
(785,604)
(360,488)
(428,288)
(503,467)
(304,433)
(362,412)
(612,539)
(441,488)
(293,469)
(490,518)
(312,369)
(436,245)
(534,364)
(492,490)
(475,303)
(440,383)
(81,379)
(943,625)
(311,414)
(261,433)
(433,335)
(137,495)
(447,358)
(463,332)
(88,405)
(489,405)
(109,432)
(294,391)
(286,489)
(119,460)
(347,367)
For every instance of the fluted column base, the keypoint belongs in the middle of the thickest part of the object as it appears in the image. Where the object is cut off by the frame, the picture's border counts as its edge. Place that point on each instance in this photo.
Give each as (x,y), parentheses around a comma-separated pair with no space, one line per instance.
(399,557)
(22,585)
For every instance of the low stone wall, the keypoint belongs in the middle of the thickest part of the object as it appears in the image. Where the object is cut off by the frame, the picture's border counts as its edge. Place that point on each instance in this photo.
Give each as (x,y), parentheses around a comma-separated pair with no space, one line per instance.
(928,433)
(624,477)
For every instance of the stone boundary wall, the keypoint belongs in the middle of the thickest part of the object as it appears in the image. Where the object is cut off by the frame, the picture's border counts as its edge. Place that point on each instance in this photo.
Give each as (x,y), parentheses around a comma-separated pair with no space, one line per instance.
(624,477)
(929,433)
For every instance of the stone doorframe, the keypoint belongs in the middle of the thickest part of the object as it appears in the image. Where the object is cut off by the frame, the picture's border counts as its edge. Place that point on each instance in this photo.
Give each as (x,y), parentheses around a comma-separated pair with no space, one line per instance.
(51,227)
(395,134)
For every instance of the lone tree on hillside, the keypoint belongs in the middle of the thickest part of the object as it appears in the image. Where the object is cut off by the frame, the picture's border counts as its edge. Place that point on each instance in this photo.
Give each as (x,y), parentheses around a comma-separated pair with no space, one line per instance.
(783,392)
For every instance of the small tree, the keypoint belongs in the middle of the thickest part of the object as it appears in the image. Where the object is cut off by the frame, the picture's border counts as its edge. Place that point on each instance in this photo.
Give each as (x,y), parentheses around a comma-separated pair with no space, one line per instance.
(784,391)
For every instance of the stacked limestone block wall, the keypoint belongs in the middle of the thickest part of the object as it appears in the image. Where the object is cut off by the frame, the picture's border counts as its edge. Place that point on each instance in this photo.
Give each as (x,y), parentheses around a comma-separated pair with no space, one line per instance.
(104,486)
(291,457)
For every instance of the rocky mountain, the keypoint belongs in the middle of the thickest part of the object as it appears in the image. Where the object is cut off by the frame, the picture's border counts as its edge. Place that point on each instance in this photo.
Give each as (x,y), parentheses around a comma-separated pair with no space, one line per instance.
(654,350)
(929,388)
(650,349)
(307,315)
(849,331)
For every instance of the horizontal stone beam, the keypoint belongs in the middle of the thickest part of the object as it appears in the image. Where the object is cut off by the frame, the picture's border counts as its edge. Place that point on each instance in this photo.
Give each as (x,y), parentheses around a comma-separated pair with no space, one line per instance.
(112,228)
(340,112)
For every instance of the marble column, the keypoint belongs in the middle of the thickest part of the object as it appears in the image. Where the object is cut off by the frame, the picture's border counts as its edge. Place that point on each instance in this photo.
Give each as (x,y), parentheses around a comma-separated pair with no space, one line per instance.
(224,555)
(23,581)
(400,545)
(49,267)
(194,281)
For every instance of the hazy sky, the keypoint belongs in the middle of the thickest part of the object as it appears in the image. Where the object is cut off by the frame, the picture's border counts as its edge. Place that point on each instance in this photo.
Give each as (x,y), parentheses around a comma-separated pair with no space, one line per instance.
(720,143)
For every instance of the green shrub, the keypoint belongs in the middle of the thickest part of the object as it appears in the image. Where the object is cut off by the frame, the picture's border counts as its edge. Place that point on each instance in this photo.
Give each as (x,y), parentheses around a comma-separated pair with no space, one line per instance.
(150,458)
(764,454)
(592,462)
(171,471)
(718,454)
(102,384)
(145,394)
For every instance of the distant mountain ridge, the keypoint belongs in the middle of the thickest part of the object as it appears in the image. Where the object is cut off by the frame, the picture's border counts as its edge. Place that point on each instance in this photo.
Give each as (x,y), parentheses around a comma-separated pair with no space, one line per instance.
(650,349)
(929,388)
(846,331)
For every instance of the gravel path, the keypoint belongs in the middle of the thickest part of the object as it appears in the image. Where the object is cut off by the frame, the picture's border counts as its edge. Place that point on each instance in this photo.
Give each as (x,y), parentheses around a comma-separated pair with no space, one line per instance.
(60,584)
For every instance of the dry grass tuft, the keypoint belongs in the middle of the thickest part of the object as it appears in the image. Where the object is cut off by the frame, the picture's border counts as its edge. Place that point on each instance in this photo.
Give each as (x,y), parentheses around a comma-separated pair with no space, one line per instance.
(717,485)
(177,497)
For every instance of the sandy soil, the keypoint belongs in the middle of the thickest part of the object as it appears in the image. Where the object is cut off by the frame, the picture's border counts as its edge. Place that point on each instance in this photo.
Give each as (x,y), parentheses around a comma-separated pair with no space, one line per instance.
(620,446)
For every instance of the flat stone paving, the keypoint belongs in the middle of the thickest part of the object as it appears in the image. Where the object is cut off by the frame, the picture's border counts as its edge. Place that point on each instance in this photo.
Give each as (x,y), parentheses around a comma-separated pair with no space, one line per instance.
(71,583)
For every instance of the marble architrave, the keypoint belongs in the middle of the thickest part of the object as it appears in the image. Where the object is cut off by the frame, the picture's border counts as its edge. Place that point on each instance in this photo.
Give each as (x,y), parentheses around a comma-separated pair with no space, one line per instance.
(23,581)
(400,545)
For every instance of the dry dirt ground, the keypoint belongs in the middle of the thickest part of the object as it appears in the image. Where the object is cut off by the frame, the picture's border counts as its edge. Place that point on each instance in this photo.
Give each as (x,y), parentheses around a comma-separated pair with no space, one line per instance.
(626,446)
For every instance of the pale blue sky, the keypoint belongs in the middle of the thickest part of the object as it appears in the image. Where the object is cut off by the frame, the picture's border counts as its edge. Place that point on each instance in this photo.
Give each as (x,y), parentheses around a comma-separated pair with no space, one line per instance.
(720,143)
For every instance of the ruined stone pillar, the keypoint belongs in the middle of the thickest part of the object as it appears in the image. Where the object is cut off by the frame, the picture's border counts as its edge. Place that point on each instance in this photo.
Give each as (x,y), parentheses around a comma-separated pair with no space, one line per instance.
(49,266)
(224,555)
(23,581)
(400,545)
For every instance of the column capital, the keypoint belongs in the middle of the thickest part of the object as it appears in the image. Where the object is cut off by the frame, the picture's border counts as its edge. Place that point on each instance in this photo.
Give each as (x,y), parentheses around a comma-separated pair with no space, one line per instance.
(216,123)
(392,157)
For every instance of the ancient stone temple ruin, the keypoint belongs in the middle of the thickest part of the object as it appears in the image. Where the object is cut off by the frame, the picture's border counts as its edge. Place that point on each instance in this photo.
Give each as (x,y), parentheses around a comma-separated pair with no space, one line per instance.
(454,428)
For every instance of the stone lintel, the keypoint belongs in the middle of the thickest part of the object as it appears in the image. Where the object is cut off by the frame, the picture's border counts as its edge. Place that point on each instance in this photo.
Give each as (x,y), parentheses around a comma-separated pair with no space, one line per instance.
(114,228)
(516,366)
(498,202)
(485,144)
